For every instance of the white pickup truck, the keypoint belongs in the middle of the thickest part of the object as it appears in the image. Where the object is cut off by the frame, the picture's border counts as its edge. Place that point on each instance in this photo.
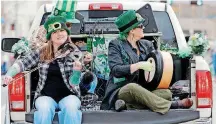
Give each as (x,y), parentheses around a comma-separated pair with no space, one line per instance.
(167,31)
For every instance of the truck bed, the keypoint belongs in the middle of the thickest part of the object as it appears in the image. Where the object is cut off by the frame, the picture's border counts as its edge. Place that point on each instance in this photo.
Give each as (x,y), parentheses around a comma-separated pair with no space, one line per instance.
(131,117)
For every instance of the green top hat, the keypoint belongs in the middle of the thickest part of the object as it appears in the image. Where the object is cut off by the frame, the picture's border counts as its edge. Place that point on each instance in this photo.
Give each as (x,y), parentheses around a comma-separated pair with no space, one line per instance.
(55,23)
(66,8)
(128,21)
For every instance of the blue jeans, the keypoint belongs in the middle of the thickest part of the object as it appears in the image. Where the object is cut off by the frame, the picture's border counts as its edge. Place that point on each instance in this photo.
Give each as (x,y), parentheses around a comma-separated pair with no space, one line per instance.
(69,113)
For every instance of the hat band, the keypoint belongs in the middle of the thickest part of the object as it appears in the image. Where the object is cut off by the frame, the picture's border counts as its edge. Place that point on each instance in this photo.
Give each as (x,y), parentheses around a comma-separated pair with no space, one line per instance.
(56,26)
(128,25)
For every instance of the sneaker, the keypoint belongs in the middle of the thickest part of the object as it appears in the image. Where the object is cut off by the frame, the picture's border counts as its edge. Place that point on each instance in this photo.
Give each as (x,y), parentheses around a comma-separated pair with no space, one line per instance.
(182,104)
(185,103)
(120,105)
(89,99)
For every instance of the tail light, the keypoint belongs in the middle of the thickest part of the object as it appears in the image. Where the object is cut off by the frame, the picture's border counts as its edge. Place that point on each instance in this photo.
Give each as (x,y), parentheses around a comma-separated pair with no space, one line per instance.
(204,89)
(105,6)
(17,93)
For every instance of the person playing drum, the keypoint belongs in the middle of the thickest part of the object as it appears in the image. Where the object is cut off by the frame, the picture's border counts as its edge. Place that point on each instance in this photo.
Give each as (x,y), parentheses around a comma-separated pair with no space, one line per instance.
(126,55)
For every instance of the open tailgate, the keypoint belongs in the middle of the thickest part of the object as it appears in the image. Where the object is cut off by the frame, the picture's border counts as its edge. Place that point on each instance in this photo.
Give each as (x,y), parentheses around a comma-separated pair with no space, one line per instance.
(131,117)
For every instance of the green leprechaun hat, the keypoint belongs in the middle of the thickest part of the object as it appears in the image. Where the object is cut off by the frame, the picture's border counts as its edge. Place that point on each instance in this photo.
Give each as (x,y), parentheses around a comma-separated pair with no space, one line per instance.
(55,23)
(128,21)
(67,9)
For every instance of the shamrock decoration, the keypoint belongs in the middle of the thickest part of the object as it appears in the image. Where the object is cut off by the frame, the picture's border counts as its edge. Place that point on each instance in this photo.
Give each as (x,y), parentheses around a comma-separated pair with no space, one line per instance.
(56,12)
(21,47)
(198,44)
(63,14)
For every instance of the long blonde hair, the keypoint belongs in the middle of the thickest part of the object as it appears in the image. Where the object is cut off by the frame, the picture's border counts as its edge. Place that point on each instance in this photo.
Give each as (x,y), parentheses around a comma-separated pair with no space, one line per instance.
(47,52)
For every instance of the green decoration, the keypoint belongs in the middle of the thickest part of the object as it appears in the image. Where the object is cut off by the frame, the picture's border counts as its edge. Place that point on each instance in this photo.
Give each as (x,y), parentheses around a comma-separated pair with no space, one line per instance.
(55,23)
(67,9)
(21,47)
(75,77)
(101,67)
(128,17)
(198,44)
(100,62)
(168,48)
(184,53)
(98,41)
(89,44)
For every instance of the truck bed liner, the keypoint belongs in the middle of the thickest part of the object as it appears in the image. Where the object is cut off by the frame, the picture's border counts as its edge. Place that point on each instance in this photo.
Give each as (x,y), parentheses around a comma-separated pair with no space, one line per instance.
(131,117)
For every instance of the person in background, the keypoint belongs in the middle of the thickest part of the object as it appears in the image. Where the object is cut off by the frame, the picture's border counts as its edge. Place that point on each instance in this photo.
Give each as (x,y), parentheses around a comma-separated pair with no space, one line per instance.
(59,74)
(126,57)
(3,68)
(6,62)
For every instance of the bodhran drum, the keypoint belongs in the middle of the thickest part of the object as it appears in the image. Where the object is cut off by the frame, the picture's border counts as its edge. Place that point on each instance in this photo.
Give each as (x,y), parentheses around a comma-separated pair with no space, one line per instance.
(161,75)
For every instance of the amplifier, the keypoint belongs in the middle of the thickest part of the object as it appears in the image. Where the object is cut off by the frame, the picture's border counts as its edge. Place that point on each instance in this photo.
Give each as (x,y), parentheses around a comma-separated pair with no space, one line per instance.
(105,27)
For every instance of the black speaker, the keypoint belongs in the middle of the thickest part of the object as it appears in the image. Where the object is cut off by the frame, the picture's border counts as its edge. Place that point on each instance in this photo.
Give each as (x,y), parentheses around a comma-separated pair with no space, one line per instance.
(149,23)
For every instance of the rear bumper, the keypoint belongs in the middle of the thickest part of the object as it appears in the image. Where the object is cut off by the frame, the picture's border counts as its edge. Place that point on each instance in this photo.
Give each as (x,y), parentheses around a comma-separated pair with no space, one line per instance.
(132,117)
(21,122)
(200,121)
(204,121)
(17,116)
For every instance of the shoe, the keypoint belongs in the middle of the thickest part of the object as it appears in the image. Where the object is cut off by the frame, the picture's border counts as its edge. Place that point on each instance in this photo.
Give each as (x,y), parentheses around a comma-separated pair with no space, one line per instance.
(89,99)
(120,105)
(185,103)
(182,104)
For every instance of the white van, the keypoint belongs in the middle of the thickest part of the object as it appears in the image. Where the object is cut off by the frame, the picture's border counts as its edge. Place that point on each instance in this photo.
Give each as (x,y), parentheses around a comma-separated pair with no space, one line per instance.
(98,21)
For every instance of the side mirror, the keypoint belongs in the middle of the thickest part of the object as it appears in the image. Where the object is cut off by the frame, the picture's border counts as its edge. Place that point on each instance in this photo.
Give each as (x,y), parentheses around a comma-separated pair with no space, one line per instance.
(187,38)
(7,44)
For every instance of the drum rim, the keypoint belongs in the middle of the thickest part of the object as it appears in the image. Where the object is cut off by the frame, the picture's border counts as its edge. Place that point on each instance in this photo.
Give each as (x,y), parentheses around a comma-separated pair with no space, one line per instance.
(159,64)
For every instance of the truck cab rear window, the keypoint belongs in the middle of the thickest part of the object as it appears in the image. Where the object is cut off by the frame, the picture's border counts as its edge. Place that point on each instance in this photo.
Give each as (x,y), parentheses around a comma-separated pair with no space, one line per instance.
(162,20)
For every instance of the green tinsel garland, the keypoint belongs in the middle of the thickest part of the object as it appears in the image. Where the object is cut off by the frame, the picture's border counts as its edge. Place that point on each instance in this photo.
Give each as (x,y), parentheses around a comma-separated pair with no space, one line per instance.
(198,44)
(21,47)
(184,53)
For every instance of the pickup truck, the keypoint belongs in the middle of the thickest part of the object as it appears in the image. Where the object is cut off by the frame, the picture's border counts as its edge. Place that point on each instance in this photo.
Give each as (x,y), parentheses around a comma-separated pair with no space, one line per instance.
(97,20)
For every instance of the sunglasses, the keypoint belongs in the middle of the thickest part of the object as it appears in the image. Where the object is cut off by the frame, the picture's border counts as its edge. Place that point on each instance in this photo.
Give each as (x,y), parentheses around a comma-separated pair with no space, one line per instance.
(140,26)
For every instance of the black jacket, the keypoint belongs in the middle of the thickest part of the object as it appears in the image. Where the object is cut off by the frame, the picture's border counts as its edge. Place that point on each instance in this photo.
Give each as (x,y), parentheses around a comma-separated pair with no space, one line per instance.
(120,57)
